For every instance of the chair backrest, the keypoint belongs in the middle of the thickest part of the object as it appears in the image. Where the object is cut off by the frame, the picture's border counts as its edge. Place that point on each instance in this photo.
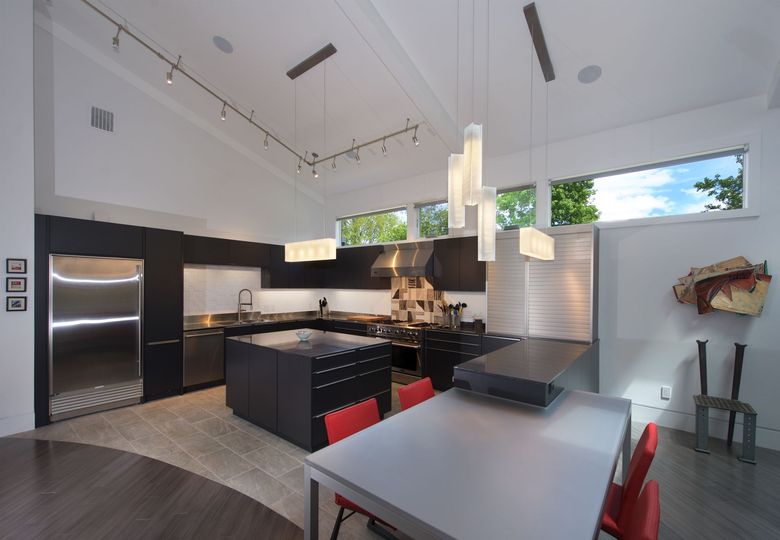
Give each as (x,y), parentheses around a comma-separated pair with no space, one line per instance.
(637,472)
(349,420)
(646,520)
(415,393)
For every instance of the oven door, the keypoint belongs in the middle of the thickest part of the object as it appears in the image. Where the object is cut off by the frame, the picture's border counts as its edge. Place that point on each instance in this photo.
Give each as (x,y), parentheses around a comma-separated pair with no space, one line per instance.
(407,362)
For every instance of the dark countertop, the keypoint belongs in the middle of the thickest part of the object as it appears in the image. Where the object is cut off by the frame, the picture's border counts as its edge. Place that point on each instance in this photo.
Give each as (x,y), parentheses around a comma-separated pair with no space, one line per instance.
(533,359)
(320,342)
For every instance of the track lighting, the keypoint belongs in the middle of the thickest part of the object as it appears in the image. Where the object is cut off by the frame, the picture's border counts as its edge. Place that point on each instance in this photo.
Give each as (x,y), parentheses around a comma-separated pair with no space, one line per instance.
(298,169)
(384,148)
(169,75)
(415,140)
(265,142)
(223,114)
(314,156)
(115,41)
(333,165)
(357,155)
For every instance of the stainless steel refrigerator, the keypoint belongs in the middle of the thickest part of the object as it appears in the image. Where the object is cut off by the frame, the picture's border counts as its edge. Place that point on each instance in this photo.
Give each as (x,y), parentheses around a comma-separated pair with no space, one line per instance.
(95,311)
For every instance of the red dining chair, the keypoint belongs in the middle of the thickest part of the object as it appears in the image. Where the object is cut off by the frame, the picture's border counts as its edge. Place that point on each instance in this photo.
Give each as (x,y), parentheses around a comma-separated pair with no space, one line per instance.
(621,500)
(644,524)
(415,393)
(340,425)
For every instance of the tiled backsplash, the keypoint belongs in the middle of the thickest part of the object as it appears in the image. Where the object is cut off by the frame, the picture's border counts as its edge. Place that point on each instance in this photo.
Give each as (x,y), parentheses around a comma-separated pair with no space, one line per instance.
(214,289)
(414,299)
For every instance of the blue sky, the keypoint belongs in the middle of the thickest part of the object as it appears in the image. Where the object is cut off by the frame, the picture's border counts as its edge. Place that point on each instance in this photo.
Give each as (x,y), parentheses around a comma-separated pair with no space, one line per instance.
(658,192)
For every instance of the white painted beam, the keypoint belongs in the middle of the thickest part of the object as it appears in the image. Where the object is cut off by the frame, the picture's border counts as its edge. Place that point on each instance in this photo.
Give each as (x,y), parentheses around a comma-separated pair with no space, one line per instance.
(368,22)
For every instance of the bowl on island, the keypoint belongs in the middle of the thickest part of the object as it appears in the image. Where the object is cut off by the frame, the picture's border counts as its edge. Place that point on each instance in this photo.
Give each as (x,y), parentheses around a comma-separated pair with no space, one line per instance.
(303,335)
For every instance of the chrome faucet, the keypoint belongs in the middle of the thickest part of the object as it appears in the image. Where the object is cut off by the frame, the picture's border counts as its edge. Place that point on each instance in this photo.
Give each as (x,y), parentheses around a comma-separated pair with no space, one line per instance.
(242,305)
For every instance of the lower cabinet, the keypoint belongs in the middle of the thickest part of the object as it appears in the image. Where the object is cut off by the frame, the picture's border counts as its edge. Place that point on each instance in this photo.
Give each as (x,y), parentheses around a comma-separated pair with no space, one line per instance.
(162,369)
(250,383)
(494,343)
(444,351)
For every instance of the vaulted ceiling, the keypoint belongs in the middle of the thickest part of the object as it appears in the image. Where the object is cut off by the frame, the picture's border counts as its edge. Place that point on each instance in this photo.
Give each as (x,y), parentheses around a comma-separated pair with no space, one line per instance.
(412,58)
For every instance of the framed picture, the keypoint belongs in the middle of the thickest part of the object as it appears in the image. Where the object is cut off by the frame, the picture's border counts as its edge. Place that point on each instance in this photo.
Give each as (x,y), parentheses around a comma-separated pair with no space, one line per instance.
(16,303)
(16,266)
(16,284)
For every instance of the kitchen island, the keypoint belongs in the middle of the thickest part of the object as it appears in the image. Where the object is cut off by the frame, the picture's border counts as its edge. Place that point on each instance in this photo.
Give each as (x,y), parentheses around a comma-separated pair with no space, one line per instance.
(287,386)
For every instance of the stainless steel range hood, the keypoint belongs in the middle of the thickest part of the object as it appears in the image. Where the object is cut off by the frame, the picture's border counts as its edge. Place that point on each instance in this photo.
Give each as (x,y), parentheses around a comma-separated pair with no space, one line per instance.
(408,259)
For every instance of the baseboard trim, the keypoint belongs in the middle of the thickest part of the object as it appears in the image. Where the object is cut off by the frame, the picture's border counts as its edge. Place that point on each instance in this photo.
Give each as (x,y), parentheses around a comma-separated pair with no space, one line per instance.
(765,437)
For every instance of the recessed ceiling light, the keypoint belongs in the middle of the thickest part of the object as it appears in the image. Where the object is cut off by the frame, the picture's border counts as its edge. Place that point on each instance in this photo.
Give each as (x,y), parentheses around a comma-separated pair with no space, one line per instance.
(222,44)
(589,74)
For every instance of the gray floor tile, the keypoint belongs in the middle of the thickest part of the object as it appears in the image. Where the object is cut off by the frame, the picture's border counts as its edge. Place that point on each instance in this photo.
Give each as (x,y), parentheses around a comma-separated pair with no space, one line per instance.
(260,486)
(293,479)
(214,427)
(199,444)
(241,442)
(136,430)
(121,416)
(191,412)
(155,446)
(176,428)
(225,463)
(156,415)
(272,461)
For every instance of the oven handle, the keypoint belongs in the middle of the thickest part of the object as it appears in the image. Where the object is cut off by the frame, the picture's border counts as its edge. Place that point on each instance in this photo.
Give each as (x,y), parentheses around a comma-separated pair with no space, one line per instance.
(405,345)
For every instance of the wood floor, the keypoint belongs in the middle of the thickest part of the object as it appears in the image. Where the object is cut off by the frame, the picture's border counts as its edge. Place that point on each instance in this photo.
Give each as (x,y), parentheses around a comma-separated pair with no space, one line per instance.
(53,489)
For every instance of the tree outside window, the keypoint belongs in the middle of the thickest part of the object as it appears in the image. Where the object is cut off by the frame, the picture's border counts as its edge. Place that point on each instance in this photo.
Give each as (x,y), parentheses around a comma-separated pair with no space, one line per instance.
(373,229)
(515,209)
(433,220)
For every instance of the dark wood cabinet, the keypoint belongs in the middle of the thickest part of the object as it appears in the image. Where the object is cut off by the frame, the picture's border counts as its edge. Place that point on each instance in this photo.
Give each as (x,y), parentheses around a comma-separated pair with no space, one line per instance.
(473,273)
(237,377)
(162,369)
(455,265)
(348,327)
(206,250)
(68,236)
(262,387)
(251,254)
(445,350)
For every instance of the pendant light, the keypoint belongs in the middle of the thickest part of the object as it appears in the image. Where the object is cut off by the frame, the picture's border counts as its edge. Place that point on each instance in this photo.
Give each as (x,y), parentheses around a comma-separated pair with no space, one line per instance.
(472,164)
(486,225)
(456,211)
(535,244)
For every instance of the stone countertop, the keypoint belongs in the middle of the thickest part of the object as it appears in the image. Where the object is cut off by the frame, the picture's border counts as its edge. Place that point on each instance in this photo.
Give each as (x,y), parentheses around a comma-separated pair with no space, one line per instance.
(532,359)
(205,322)
(320,343)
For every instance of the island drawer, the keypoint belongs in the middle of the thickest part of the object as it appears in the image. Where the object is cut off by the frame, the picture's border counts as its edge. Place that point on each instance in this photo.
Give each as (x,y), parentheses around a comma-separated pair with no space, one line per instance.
(372,364)
(333,396)
(376,351)
(329,361)
(327,376)
(374,382)
(455,337)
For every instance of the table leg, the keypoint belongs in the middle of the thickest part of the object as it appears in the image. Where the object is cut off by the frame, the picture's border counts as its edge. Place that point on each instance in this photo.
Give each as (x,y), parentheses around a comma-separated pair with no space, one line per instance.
(702,429)
(749,439)
(626,449)
(311,504)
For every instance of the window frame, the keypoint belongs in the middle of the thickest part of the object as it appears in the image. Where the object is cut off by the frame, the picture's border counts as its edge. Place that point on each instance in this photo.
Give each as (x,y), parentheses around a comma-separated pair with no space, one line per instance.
(750,187)
(522,187)
(367,214)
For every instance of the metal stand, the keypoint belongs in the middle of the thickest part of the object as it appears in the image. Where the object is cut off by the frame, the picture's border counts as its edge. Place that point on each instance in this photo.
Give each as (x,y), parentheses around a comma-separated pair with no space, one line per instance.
(739,356)
(703,404)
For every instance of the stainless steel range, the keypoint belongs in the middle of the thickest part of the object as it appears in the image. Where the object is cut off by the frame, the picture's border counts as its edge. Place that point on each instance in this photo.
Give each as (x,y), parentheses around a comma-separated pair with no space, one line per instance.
(407,348)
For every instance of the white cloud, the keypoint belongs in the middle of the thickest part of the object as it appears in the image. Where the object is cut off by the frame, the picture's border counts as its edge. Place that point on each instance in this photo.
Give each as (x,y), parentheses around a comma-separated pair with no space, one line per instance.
(633,195)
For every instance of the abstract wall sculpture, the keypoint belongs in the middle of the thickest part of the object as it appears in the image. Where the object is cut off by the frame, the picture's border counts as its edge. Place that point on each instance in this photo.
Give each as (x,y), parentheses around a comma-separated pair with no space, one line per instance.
(734,285)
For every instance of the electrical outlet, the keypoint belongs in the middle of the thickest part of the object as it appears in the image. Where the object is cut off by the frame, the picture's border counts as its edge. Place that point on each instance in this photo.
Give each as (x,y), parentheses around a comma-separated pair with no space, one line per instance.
(666,392)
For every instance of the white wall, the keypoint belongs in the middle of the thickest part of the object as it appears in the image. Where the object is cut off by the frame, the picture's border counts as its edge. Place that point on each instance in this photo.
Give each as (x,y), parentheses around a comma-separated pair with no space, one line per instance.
(163,166)
(214,289)
(16,210)
(647,339)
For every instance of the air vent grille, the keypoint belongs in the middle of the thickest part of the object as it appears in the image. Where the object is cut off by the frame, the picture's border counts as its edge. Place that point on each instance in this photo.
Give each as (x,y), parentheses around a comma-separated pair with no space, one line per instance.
(102,119)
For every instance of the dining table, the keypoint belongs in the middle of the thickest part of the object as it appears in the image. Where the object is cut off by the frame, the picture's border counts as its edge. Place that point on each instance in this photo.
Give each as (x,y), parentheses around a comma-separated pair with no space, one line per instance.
(473,466)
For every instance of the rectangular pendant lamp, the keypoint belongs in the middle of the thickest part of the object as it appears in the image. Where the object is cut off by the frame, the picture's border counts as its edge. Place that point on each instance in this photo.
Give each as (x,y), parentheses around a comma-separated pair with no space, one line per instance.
(534,243)
(486,225)
(310,250)
(472,164)
(456,211)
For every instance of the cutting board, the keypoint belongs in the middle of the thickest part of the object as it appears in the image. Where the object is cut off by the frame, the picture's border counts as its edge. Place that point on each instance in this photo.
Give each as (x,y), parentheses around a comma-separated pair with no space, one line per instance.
(366,318)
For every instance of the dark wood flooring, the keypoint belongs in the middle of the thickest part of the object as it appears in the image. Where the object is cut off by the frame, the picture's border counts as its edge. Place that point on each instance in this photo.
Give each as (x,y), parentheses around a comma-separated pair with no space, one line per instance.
(713,496)
(51,489)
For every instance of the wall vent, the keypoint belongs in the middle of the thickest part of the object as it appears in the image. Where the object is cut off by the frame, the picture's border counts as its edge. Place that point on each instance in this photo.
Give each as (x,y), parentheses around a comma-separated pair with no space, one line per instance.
(102,119)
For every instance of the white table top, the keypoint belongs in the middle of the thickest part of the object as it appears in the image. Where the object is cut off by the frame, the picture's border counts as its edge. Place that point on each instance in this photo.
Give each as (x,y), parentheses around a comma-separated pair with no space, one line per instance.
(473,466)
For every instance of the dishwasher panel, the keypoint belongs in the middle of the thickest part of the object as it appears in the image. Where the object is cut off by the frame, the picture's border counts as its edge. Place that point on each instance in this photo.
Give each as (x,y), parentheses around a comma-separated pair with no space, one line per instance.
(204,357)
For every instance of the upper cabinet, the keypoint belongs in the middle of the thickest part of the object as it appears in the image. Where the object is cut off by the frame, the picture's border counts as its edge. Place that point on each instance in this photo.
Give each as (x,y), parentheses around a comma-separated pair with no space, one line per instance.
(249,254)
(205,250)
(455,265)
(68,236)
(350,270)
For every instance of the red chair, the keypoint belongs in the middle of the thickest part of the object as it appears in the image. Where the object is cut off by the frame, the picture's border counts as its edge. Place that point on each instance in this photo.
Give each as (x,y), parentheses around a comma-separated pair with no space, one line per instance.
(340,425)
(644,524)
(621,500)
(415,393)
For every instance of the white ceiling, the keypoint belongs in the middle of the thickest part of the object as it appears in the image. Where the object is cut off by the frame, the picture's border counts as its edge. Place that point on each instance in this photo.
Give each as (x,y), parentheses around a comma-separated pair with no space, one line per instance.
(400,58)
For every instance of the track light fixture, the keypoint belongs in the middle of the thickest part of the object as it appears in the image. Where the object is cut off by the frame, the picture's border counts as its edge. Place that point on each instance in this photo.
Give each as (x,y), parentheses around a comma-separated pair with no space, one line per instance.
(115,41)
(298,169)
(223,114)
(415,140)
(265,142)
(169,75)
(314,173)
(384,147)
(357,155)
(333,165)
